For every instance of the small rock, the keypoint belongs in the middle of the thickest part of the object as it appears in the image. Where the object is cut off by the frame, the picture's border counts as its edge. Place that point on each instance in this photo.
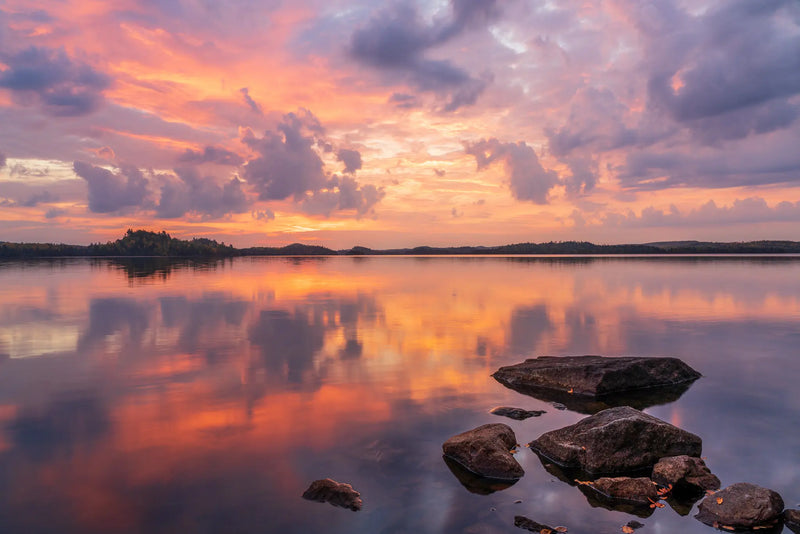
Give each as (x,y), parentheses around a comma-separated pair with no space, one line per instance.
(634,490)
(634,524)
(516,413)
(529,524)
(616,441)
(741,505)
(485,451)
(792,519)
(335,493)
(559,406)
(685,474)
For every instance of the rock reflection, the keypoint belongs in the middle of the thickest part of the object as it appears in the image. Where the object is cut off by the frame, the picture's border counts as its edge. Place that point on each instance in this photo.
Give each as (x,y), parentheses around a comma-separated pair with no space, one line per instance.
(474,483)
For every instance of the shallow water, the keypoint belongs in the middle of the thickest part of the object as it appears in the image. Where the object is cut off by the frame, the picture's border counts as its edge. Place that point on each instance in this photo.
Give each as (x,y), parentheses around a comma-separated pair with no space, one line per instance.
(157,396)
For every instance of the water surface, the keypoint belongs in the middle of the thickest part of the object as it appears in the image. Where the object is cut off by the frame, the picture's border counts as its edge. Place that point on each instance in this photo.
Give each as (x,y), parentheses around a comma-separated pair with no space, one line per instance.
(157,396)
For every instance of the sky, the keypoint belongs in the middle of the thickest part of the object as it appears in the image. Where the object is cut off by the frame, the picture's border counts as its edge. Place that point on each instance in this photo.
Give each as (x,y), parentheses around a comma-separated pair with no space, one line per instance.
(400,123)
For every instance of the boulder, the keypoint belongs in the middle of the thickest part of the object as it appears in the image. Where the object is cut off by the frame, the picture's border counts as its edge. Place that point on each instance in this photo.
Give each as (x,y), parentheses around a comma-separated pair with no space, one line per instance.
(639,490)
(616,441)
(686,474)
(741,506)
(516,413)
(335,493)
(485,451)
(595,375)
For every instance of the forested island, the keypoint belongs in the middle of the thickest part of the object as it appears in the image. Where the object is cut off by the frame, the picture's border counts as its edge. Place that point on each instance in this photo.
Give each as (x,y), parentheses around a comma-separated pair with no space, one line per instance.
(160,244)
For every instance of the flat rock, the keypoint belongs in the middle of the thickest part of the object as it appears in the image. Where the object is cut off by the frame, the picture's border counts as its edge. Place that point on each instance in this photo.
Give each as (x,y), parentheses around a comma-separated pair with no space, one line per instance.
(686,474)
(516,413)
(335,493)
(616,441)
(640,490)
(595,375)
(485,451)
(741,505)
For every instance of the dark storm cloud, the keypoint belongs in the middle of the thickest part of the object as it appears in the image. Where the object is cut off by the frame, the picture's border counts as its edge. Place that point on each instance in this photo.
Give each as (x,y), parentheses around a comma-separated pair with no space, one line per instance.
(126,187)
(287,165)
(350,158)
(65,87)
(189,192)
(396,40)
(212,154)
(527,178)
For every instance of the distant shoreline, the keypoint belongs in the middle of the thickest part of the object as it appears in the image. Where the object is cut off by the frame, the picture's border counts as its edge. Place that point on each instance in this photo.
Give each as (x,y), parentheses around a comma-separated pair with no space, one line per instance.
(142,243)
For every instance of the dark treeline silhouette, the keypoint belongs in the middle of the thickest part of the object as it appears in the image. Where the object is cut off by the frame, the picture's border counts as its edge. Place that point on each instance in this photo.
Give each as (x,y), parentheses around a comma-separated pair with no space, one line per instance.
(161,244)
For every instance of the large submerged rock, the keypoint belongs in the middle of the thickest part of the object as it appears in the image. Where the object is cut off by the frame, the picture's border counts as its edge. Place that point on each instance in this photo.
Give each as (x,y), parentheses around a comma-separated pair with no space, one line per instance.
(742,505)
(595,376)
(516,413)
(616,441)
(335,493)
(485,451)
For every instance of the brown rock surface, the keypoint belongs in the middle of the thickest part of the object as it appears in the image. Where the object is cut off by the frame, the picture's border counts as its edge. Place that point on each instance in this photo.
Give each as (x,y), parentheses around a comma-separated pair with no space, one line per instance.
(685,473)
(485,451)
(741,505)
(335,493)
(616,441)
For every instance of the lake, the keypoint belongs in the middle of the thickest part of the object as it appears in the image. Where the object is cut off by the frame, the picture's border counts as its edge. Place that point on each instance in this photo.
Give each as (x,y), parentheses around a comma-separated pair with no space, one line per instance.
(161,396)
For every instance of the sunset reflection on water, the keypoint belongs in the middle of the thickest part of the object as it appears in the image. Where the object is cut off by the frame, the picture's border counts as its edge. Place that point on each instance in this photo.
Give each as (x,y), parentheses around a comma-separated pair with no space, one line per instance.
(205,397)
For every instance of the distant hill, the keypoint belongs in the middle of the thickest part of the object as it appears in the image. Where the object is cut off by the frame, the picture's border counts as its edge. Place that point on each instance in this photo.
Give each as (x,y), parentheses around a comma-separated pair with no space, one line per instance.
(160,244)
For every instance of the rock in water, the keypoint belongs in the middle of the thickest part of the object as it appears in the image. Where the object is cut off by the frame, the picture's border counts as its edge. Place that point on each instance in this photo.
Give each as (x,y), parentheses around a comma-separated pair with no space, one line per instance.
(516,413)
(685,473)
(616,441)
(335,493)
(792,519)
(529,524)
(595,375)
(639,491)
(485,451)
(741,505)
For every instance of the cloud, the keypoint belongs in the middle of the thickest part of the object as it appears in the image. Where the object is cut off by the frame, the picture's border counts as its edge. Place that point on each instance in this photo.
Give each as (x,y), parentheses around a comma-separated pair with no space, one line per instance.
(396,39)
(109,191)
(350,158)
(189,192)
(527,178)
(743,211)
(250,102)
(64,87)
(263,215)
(287,165)
(212,154)
(404,101)
(343,194)
(2,160)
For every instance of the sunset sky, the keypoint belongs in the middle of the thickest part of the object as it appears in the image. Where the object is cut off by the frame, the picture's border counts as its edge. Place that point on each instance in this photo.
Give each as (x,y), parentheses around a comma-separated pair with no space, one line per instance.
(384,124)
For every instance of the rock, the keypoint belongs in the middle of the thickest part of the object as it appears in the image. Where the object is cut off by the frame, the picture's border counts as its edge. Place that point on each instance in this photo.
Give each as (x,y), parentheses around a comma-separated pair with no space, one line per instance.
(529,524)
(633,524)
(595,375)
(792,519)
(741,505)
(485,451)
(634,490)
(616,441)
(516,413)
(475,483)
(335,493)
(686,474)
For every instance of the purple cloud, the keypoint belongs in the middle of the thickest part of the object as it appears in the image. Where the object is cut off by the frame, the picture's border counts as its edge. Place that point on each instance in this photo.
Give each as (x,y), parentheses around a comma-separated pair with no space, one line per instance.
(63,86)
(527,178)
(350,158)
(109,191)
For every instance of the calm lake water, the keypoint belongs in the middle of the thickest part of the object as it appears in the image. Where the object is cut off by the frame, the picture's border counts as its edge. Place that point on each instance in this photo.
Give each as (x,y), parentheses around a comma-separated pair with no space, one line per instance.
(188,397)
